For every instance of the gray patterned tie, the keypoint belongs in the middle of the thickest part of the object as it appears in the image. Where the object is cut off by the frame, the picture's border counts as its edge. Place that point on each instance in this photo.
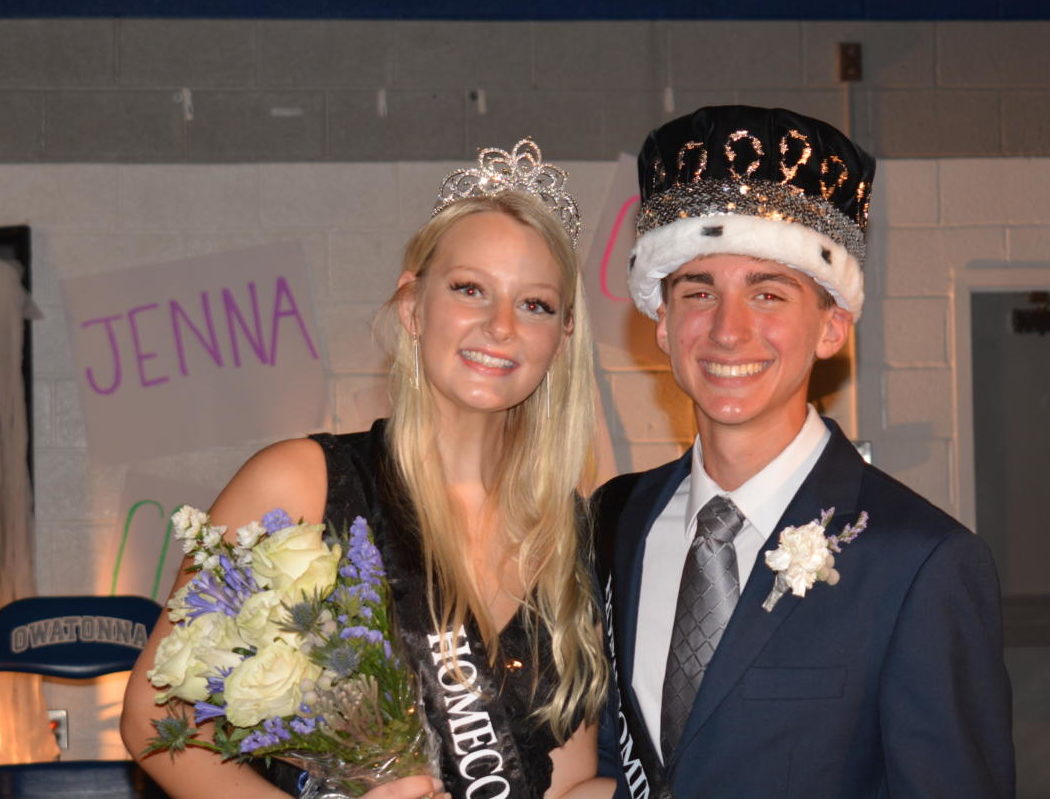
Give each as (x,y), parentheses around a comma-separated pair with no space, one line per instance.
(706,598)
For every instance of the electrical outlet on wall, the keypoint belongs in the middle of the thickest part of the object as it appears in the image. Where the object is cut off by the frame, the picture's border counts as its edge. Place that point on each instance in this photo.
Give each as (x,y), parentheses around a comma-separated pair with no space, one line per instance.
(59,721)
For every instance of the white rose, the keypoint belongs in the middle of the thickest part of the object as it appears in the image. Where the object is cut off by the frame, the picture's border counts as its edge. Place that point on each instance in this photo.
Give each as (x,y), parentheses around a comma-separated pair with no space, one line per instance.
(296,561)
(192,652)
(260,619)
(268,684)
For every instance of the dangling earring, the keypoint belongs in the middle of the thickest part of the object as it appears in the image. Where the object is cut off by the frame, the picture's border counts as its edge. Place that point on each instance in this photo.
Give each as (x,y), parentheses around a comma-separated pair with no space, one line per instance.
(415,361)
(547,383)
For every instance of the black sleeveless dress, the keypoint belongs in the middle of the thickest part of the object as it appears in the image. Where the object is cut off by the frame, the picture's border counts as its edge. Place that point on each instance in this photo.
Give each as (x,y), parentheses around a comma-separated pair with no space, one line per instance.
(362,481)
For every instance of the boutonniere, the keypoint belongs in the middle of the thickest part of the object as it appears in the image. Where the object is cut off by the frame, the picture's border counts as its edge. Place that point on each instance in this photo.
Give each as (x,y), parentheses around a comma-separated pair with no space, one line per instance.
(805,555)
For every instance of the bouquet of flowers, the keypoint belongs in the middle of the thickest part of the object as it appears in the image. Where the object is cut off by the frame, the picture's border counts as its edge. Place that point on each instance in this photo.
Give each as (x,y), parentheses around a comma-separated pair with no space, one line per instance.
(281,642)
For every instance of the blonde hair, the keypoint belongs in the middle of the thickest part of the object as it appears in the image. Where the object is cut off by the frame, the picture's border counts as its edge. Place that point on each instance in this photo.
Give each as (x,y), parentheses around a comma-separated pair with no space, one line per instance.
(535,499)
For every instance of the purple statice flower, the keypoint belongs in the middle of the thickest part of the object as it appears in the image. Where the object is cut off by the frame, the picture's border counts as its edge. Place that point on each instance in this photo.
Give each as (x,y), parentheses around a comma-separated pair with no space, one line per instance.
(363,560)
(303,726)
(275,520)
(202,711)
(210,594)
(277,727)
(363,633)
(273,732)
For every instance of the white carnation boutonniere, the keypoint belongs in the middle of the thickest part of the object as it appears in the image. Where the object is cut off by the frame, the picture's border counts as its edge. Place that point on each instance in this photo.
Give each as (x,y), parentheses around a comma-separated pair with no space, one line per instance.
(806,554)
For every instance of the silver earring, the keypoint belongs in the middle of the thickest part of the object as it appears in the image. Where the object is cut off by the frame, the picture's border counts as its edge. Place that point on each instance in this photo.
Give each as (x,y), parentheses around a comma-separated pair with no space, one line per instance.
(415,362)
(547,383)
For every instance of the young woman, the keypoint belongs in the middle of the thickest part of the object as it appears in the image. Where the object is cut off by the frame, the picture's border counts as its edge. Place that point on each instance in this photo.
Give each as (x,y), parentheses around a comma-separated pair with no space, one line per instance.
(470,488)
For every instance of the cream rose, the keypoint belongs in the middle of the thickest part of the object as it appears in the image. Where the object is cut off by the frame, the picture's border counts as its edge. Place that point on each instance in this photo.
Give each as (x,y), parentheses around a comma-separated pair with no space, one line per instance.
(268,684)
(296,561)
(192,652)
(261,617)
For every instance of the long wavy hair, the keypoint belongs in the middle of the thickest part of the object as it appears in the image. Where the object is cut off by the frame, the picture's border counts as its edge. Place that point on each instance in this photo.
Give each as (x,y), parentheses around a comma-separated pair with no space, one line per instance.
(535,496)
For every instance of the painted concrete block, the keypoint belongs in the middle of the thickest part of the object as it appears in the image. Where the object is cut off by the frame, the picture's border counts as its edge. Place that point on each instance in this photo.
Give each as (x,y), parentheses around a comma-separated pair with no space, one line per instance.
(1028,245)
(59,197)
(687,99)
(829,105)
(1001,55)
(69,421)
(191,53)
(919,403)
(916,331)
(22,134)
(314,244)
(620,56)
(567,124)
(928,122)
(364,265)
(352,54)
(257,126)
(923,261)
(360,400)
(743,55)
(894,54)
(349,340)
(463,55)
(667,414)
(922,464)
(77,488)
(1005,194)
(116,125)
(59,573)
(43,419)
(629,116)
(52,356)
(1026,122)
(328,195)
(418,183)
(56,53)
(189,199)
(417,125)
(906,193)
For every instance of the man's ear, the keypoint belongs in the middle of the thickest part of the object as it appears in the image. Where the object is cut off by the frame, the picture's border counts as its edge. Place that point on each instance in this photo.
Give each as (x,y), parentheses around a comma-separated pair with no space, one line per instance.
(661,329)
(835,333)
(407,294)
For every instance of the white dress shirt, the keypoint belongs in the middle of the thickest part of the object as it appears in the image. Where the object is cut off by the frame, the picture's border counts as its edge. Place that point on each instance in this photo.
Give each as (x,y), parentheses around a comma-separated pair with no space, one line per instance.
(762,500)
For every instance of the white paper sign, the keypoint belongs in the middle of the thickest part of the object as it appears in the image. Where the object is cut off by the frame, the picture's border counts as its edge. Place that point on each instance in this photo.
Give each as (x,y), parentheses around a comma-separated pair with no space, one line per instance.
(190,354)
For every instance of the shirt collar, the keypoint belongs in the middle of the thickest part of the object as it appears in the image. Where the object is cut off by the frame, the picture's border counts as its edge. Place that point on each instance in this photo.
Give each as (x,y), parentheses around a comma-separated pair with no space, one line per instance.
(765,496)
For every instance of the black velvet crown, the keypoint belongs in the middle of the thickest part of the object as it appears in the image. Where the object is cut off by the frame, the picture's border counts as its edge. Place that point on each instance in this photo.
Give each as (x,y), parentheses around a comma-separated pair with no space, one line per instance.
(762,182)
(745,144)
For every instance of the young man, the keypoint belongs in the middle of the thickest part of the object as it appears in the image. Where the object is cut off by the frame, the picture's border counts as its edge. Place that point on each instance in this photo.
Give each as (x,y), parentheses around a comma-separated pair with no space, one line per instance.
(754,660)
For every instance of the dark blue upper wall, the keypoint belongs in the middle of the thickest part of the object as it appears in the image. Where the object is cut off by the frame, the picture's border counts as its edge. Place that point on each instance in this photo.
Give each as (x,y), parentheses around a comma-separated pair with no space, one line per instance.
(537,9)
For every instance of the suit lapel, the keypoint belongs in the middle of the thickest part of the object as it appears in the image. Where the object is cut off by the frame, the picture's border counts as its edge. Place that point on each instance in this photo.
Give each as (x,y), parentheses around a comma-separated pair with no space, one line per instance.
(833,482)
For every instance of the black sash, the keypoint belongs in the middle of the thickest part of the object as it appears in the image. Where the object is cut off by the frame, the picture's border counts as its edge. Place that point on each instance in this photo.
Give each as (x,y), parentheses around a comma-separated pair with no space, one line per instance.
(479,756)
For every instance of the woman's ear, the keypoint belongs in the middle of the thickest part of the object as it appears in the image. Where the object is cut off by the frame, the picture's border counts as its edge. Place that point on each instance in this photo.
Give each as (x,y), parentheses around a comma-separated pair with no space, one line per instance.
(407,290)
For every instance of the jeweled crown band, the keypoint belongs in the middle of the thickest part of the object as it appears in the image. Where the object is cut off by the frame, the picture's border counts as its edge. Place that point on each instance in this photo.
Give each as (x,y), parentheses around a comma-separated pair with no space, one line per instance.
(522,169)
(773,201)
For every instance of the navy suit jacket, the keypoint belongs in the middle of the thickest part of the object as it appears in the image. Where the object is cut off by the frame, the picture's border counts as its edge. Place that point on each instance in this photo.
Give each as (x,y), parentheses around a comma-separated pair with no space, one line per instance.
(889,684)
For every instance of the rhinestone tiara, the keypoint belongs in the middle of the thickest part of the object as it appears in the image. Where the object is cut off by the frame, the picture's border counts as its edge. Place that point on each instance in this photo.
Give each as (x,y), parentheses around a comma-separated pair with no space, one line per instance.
(522,169)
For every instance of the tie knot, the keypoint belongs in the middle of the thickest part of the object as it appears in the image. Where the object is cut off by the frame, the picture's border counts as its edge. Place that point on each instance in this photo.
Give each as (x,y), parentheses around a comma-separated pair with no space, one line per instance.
(719,519)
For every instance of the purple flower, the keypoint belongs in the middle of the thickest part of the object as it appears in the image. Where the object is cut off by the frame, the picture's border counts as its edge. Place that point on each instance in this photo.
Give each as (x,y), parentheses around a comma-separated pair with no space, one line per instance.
(202,711)
(303,726)
(209,594)
(276,520)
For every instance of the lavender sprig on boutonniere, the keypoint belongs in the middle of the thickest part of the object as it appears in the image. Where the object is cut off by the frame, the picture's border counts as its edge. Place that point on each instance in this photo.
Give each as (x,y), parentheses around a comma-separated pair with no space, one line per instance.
(805,555)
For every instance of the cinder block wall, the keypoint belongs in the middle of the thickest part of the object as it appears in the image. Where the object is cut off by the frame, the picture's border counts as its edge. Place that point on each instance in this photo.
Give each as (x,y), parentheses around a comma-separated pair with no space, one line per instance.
(111,90)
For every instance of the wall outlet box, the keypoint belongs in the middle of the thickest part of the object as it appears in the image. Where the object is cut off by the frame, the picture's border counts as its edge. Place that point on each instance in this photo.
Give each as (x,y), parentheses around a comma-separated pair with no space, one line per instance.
(59,721)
